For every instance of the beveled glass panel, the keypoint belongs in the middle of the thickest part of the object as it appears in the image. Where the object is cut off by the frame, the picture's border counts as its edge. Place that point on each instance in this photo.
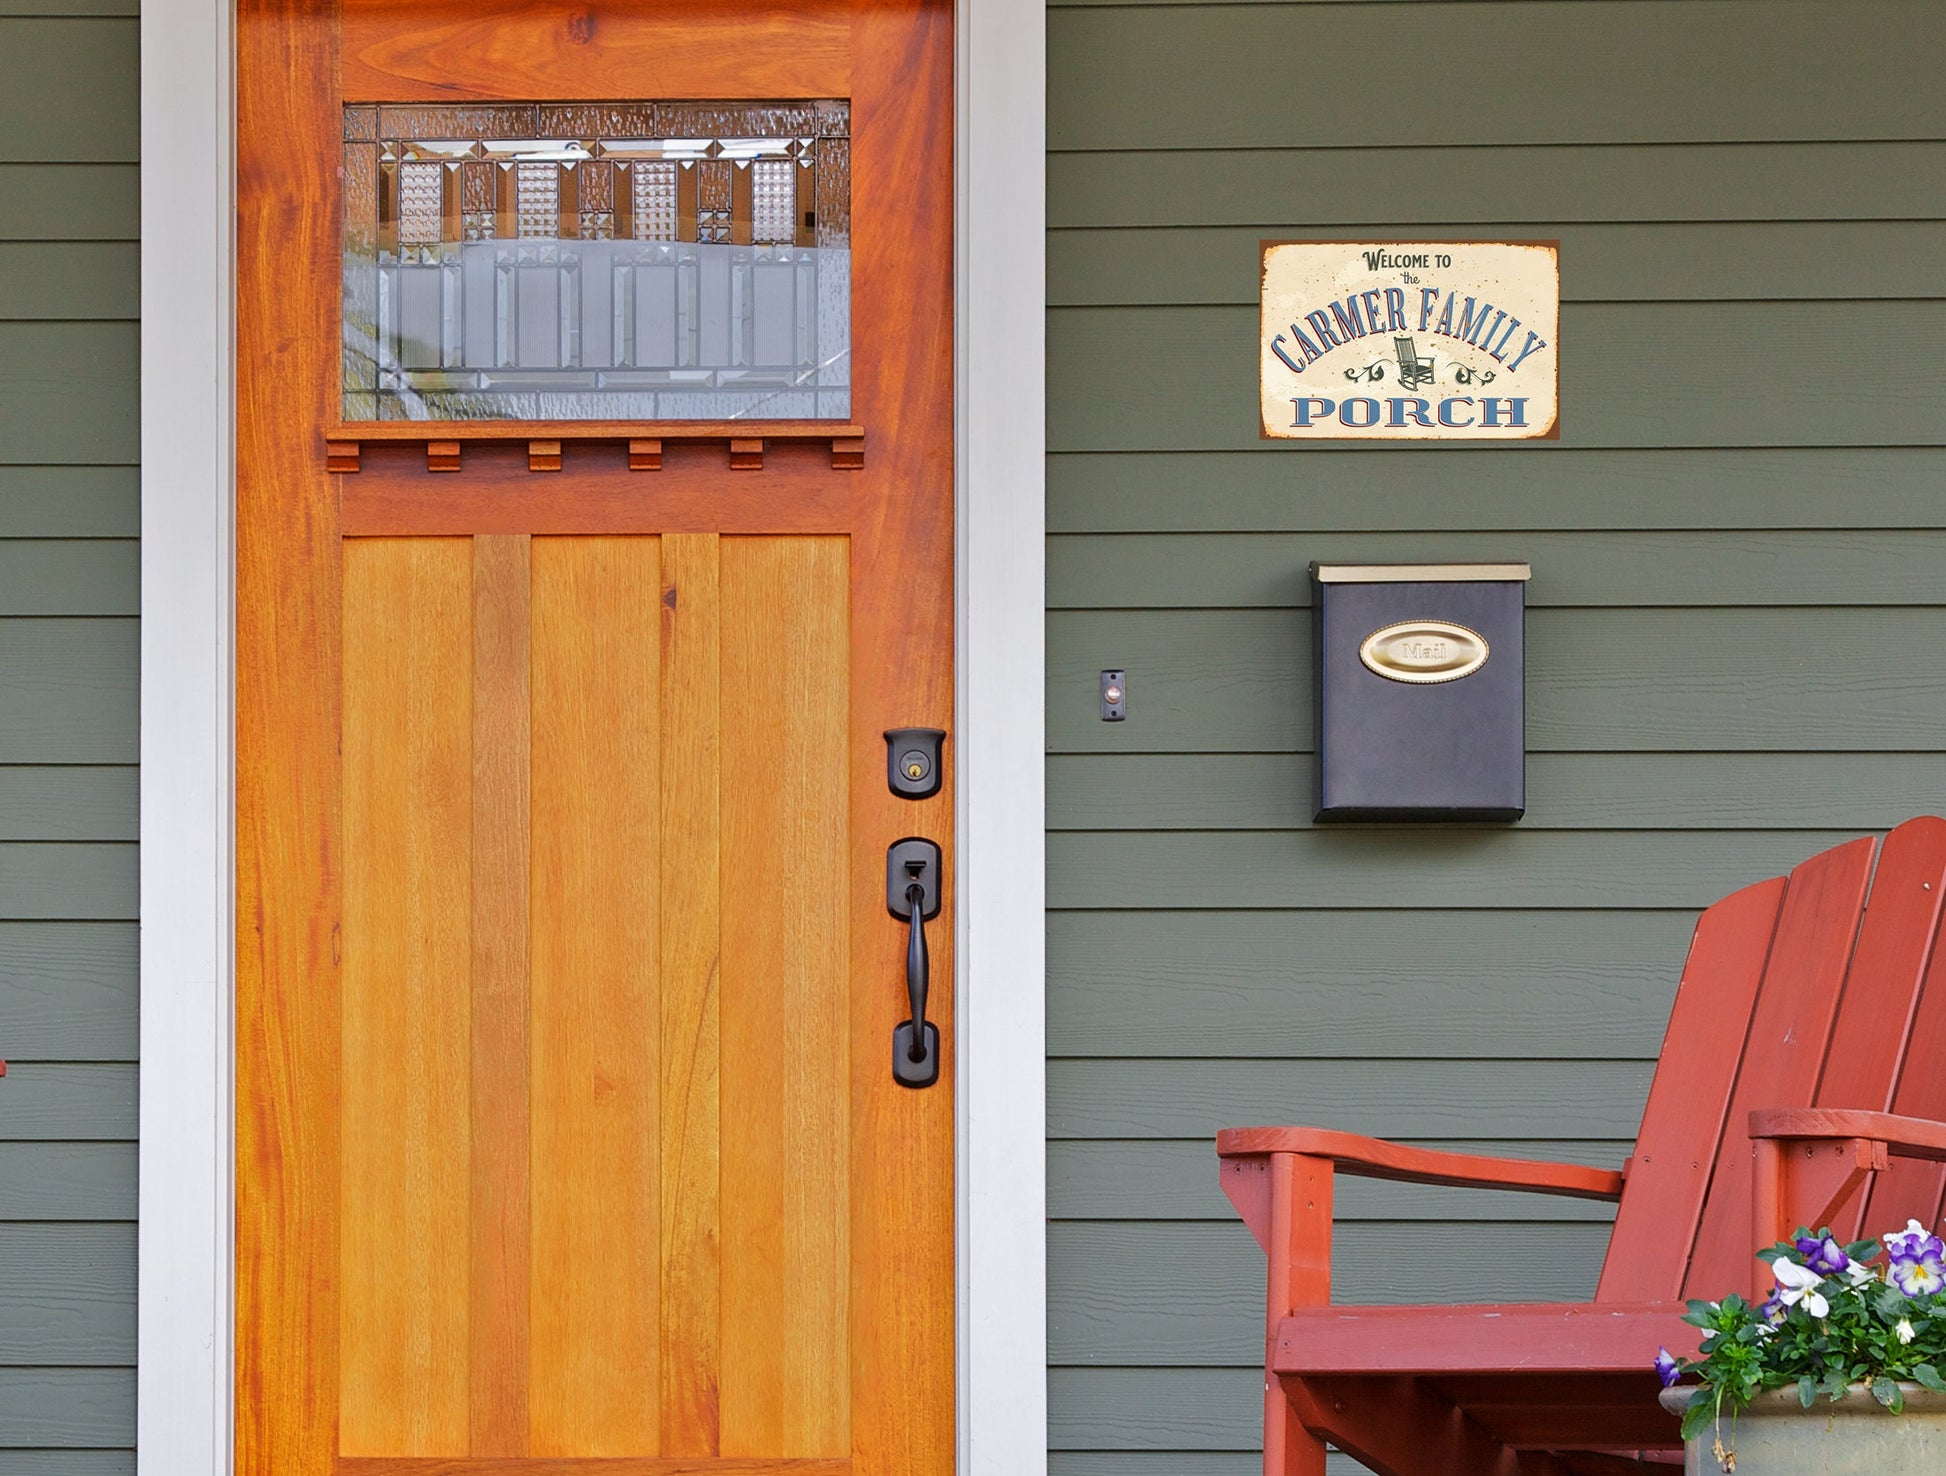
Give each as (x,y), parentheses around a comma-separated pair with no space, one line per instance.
(598,261)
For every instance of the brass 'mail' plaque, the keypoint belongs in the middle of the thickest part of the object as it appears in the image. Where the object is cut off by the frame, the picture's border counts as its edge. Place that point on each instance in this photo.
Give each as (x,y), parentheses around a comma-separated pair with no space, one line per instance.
(1424,651)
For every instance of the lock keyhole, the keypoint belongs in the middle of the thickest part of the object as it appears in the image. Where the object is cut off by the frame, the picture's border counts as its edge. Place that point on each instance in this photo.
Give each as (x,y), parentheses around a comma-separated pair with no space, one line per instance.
(912,765)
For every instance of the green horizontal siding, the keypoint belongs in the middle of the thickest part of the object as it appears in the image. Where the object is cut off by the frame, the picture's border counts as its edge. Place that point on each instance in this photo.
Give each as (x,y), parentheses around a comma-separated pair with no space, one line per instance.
(1228,76)
(1468,490)
(1839,792)
(1421,1097)
(1736,543)
(1385,869)
(71,86)
(67,1181)
(70,502)
(62,201)
(1607,262)
(69,691)
(84,1408)
(68,392)
(1237,681)
(70,279)
(1322,982)
(70,588)
(1648,374)
(67,802)
(69,1102)
(1390,192)
(67,1295)
(1579,569)
(71,990)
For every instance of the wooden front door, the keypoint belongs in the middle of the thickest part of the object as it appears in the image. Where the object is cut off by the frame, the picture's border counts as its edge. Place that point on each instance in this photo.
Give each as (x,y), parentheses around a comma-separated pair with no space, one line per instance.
(567,1130)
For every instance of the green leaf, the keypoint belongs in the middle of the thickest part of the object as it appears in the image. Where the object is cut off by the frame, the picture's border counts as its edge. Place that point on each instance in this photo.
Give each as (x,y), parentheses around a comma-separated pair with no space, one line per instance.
(1807,1390)
(1926,1374)
(1887,1393)
(1702,1405)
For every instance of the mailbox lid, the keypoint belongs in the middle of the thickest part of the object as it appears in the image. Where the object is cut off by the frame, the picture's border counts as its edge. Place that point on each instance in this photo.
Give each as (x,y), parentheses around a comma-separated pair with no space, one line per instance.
(1438,738)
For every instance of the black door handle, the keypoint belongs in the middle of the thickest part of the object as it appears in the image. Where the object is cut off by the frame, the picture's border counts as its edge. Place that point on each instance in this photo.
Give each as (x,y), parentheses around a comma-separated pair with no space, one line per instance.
(912,894)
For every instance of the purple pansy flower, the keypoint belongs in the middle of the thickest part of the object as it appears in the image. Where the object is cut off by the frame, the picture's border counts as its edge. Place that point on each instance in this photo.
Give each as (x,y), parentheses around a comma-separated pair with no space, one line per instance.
(1665,1367)
(1822,1254)
(1919,1275)
(1913,1243)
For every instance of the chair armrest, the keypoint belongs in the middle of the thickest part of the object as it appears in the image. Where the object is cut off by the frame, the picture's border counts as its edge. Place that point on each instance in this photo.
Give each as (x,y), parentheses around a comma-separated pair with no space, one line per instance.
(1374,1158)
(1903,1137)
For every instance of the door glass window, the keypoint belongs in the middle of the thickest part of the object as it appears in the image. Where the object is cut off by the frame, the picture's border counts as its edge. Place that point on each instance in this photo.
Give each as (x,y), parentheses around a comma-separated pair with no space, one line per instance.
(598,261)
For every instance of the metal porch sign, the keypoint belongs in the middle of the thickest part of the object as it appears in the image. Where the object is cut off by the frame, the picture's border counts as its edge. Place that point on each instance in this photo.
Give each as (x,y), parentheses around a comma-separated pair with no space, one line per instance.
(1410,340)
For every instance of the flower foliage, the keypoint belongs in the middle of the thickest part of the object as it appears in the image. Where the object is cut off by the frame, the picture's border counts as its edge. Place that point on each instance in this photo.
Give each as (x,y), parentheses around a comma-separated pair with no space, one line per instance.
(1840,1316)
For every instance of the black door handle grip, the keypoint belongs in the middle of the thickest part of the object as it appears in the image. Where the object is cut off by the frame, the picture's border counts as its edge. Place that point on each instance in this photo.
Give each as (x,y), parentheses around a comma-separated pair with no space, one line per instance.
(912,886)
(915,969)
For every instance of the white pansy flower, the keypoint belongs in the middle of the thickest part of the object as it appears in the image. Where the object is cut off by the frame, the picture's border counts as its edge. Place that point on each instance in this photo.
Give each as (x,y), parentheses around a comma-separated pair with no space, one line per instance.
(1796,1284)
(1904,1331)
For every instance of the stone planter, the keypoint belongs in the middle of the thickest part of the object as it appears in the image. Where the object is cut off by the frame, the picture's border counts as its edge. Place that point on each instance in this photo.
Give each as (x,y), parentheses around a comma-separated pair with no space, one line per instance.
(1857,1436)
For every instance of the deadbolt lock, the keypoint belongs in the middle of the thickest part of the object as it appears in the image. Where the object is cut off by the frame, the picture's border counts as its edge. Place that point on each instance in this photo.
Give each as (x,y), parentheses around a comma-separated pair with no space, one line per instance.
(912,763)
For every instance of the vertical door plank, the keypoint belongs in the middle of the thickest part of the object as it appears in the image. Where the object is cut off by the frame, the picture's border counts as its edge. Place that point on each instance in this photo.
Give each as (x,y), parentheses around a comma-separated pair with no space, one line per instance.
(408,658)
(594,1012)
(288,691)
(785,999)
(691,753)
(902,675)
(499,1073)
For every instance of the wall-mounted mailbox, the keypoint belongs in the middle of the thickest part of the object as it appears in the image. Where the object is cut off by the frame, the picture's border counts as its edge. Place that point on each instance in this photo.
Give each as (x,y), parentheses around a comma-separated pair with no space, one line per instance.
(1420,691)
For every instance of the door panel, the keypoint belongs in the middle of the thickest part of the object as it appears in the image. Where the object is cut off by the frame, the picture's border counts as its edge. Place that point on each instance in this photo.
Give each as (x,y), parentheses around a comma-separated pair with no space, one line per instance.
(594,1151)
(566,1125)
(558,897)
(406,970)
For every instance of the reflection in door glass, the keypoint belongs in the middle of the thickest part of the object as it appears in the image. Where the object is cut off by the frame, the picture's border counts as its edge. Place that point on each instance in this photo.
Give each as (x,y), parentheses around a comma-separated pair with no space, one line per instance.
(598,261)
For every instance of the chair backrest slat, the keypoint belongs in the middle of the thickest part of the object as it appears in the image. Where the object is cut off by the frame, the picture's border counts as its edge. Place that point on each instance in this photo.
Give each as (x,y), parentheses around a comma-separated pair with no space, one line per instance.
(1682,1127)
(1885,994)
(1798,992)
(1783,1056)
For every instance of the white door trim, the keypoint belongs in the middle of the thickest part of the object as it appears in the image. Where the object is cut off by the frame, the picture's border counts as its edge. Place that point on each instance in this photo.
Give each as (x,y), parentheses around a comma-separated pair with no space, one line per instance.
(1001,311)
(184,1345)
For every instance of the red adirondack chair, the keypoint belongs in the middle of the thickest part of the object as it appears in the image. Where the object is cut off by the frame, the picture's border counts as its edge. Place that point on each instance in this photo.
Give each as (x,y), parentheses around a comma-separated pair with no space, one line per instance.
(1802,1081)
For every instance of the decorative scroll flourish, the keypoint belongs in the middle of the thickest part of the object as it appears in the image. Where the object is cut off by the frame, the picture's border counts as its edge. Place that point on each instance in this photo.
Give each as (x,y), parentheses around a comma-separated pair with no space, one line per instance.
(1462,374)
(598,260)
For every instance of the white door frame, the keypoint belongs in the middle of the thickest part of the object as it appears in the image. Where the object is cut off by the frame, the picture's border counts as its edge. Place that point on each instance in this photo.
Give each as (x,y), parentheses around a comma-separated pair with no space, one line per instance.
(187,1209)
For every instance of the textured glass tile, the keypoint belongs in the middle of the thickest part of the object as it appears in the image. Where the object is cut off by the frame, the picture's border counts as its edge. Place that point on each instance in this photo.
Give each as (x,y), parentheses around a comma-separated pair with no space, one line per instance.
(421,203)
(834,119)
(654,190)
(735,120)
(596,179)
(596,120)
(773,193)
(773,201)
(713,202)
(456,120)
(537,199)
(361,125)
(476,200)
(833,203)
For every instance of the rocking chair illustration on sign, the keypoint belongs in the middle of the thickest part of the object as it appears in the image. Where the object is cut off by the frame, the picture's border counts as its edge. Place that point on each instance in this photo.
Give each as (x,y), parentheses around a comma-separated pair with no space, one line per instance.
(1413,370)
(1799,1083)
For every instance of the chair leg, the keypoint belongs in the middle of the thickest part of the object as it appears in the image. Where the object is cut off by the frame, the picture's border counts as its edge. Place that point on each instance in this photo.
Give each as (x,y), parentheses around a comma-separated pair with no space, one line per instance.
(1289,1448)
